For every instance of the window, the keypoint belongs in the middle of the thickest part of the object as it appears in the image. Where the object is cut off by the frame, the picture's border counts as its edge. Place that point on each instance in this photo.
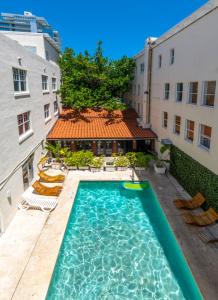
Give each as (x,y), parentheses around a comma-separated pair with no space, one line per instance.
(46,111)
(55,106)
(205,136)
(209,93)
(166,91)
(190,125)
(19,77)
(177,124)
(165,119)
(44,83)
(23,121)
(179,91)
(27,171)
(172,56)
(160,61)
(139,108)
(193,93)
(142,66)
(54,84)
(138,89)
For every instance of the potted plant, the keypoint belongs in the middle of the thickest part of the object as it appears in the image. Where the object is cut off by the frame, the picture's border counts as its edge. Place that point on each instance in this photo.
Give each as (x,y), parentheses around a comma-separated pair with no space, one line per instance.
(84,159)
(122,163)
(160,167)
(96,164)
(54,151)
(71,162)
(142,161)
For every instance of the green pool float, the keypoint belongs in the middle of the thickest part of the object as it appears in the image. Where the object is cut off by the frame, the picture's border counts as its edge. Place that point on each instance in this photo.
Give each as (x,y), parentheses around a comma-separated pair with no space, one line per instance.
(137,186)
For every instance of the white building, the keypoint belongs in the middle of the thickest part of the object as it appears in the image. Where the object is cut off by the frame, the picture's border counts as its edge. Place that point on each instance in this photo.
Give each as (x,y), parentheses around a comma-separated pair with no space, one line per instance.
(37,43)
(182,96)
(29,107)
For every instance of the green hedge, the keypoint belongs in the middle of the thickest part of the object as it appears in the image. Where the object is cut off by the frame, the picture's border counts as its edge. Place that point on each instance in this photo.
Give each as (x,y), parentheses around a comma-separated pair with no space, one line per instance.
(194,177)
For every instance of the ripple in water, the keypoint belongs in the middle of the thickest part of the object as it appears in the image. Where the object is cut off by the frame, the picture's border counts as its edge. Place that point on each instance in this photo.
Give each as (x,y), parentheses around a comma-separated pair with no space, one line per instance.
(110,250)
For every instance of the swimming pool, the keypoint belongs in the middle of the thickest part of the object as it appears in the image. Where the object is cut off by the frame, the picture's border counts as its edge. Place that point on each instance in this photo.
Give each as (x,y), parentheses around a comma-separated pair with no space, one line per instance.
(119,245)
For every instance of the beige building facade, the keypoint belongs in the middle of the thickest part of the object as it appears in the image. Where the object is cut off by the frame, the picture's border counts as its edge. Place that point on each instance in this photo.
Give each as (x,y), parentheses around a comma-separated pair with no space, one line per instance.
(183,96)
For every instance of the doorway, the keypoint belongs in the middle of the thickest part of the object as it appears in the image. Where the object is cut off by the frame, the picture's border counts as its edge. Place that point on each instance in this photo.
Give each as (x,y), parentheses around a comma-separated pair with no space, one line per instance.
(27,172)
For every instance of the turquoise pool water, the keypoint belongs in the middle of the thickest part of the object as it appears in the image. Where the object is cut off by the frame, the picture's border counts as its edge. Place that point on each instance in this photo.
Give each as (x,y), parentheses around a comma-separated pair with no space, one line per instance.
(119,245)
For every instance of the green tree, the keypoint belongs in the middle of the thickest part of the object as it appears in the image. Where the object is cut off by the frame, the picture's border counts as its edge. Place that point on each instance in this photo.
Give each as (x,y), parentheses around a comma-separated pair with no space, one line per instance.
(94,81)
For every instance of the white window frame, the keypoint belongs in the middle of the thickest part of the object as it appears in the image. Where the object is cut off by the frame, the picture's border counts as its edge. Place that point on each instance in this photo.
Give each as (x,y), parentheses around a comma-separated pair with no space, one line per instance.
(142,67)
(172,56)
(191,93)
(201,135)
(175,125)
(159,61)
(47,113)
(178,92)
(22,122)
(165,119)
(55,105)
(204,94)
(166,92)
(139,89)
(54,84)
(45,87)
(189,130)
(18,78)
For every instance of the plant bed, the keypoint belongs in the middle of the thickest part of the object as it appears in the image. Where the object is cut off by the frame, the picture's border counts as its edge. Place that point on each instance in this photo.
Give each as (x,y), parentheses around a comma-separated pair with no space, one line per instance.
(72,167)
(121,162)
(83,168)
(96,164)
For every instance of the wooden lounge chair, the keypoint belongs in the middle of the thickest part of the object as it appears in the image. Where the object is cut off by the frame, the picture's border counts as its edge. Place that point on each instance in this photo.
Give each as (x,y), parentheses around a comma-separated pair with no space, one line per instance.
(52,179)
(46,191)
(195,202)
(206,218)
(31,200)
(209,234)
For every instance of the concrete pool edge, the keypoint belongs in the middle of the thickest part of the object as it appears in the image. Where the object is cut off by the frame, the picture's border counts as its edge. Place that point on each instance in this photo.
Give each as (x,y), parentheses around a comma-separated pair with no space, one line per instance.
(31,287)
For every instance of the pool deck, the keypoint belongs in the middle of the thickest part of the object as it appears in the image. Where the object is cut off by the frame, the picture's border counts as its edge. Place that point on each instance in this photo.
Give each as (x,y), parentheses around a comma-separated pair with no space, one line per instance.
(29,247)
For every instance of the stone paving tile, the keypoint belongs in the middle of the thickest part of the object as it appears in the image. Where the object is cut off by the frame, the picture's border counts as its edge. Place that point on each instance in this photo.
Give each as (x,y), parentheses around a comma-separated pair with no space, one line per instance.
(16,246)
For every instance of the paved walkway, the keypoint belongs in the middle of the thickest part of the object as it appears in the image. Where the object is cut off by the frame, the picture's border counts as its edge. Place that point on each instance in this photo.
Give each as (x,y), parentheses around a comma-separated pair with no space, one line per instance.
(28,255)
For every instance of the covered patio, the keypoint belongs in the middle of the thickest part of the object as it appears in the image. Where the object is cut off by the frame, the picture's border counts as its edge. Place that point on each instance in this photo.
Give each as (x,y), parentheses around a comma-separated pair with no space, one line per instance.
(102,132)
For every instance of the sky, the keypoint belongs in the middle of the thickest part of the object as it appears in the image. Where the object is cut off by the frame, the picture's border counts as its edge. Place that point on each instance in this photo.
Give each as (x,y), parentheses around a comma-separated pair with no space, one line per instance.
(122,25)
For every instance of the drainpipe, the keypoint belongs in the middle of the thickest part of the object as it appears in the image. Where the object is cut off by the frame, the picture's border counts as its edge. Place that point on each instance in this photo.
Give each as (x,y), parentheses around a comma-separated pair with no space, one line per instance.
(149,78)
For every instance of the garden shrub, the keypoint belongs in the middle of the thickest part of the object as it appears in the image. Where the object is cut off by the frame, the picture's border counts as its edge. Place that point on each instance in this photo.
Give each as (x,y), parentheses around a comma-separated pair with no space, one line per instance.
(194,177)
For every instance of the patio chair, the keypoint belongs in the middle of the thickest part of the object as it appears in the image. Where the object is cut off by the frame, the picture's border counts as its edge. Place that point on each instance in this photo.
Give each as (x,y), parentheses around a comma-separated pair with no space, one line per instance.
(52,179)
(46,191)
(206,218)
(195,202)
(209,234)
(30,200)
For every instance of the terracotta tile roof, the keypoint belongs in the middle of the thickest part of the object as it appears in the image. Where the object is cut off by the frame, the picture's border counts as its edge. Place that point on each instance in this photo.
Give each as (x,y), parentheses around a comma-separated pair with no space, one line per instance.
(94,124)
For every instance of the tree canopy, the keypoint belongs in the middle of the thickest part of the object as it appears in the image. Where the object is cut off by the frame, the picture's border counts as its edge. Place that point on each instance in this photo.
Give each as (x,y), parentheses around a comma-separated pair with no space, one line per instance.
(94,81)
